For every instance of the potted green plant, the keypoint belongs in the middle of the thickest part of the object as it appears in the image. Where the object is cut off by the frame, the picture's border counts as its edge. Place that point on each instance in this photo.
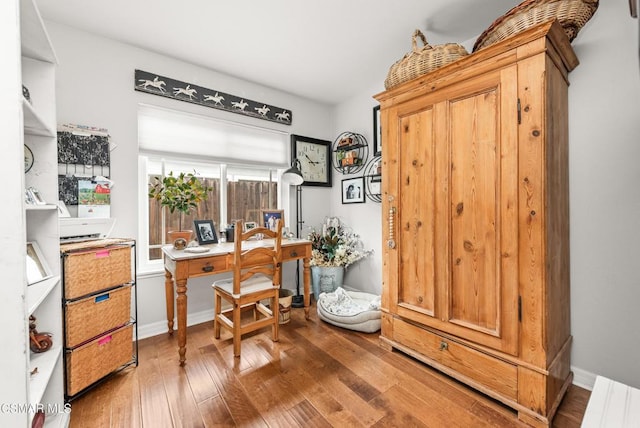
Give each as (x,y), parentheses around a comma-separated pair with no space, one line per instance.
(182,193)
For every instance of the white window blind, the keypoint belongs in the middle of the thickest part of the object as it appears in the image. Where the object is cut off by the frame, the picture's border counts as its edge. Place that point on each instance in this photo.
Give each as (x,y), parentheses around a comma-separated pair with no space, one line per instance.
(167,132)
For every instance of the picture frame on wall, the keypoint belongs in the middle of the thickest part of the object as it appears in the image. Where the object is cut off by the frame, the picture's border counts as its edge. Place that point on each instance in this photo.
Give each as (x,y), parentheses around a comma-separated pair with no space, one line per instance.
(377,132)
(353,190)
(205,232)
(37,268)
(269,218)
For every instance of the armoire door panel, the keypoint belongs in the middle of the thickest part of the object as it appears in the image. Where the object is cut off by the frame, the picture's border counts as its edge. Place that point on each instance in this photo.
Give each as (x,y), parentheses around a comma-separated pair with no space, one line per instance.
(416,215)
(475,164)
(482,288)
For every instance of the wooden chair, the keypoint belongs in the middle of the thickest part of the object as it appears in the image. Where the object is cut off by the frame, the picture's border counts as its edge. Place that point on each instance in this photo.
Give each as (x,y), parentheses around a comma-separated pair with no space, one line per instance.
(256,277)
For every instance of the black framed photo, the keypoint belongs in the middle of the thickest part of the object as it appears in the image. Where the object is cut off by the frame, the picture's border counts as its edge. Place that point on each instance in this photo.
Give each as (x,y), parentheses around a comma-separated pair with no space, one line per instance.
(205,232)
(353,190)
(315,160)
(377,132)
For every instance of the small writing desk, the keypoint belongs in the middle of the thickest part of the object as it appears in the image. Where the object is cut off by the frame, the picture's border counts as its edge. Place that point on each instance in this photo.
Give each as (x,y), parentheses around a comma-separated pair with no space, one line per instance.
(179,266)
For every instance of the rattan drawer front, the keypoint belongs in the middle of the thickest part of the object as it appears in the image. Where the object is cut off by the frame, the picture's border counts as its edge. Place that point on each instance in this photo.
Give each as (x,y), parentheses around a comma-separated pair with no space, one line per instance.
(207,266)
(96,359)
(92,316)
(92,271)
(488,371)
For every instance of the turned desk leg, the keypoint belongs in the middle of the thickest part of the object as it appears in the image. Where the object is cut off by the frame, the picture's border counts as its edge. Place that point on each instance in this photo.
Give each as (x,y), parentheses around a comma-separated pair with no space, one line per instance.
(181,303)
(168,291)
(307,287)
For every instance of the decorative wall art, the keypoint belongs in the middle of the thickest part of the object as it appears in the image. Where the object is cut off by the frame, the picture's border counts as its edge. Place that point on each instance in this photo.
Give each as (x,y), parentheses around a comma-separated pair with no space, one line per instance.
(83,153)
(188,92)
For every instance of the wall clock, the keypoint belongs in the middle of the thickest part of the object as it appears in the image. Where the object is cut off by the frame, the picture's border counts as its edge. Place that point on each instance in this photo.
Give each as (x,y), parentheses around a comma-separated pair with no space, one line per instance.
(315,160)
(28,158)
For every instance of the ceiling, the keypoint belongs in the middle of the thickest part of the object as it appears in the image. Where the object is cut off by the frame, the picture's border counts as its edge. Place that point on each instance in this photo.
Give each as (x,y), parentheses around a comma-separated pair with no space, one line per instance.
(324,50)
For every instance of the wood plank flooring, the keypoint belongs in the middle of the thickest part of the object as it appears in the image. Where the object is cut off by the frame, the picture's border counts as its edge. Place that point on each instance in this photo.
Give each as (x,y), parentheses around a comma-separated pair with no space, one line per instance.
(317,375)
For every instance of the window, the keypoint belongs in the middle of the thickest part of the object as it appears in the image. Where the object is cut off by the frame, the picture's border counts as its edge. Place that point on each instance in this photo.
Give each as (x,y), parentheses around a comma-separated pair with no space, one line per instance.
(248,190)
(228,157)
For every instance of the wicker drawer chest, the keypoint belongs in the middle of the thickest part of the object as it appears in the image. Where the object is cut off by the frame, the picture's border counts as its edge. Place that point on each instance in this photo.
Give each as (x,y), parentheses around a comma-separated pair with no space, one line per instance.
(100,309)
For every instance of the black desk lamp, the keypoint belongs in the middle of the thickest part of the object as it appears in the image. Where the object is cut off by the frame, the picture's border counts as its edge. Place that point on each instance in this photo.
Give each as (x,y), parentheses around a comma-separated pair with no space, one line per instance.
(293,176)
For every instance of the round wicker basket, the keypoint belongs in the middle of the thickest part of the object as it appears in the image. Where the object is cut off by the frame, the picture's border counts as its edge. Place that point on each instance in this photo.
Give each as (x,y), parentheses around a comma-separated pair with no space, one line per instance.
(571,14)
(422,60)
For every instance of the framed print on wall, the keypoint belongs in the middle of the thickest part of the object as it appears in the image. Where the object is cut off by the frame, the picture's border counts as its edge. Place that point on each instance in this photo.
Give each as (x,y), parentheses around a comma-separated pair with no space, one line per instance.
(353,190)
(269,218)
(315,160)
(205,232)
(377,132)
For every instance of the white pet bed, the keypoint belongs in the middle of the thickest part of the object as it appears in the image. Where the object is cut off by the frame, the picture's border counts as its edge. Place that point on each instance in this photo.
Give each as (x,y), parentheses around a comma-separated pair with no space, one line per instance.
(353,310)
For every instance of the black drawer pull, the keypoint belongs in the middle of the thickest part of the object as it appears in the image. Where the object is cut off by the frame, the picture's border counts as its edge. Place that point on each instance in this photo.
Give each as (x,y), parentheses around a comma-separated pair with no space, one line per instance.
(294,254)
(207,268)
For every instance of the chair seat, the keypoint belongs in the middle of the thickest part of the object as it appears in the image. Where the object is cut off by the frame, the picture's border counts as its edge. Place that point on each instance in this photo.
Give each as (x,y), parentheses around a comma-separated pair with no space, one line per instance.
(252,285)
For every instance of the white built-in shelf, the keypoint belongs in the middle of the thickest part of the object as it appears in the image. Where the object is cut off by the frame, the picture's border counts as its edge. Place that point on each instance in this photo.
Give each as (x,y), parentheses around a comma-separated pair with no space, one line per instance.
(612,405)
(46,363)
(45,207)
(37,292)
(35,40)
(33,122)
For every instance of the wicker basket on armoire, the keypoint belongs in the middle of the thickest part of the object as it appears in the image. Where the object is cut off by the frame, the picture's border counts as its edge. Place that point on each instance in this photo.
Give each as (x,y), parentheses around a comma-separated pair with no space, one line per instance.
(571,14)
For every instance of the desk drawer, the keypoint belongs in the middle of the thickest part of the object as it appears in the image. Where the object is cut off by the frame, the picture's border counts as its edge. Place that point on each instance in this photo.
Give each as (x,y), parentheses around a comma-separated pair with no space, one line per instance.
(207,266)
(299,251)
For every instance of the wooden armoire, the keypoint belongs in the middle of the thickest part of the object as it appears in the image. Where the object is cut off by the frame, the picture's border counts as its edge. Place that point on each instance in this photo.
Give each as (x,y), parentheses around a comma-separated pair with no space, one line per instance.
(476,220)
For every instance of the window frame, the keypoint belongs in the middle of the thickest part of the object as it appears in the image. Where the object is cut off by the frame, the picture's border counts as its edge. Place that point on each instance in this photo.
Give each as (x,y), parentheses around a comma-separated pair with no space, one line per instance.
(145,265)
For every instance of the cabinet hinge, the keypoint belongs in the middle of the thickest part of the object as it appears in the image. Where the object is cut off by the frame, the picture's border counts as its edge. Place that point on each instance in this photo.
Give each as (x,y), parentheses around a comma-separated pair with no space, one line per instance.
(520,308)
(519,113)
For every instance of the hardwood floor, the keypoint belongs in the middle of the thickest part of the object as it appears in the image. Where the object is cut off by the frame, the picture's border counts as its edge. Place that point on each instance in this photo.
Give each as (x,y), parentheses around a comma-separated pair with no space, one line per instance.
(316,375)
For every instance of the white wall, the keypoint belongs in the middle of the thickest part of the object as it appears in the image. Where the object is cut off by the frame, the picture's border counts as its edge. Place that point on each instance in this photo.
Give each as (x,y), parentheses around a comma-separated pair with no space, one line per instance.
(604,128)
(95,81)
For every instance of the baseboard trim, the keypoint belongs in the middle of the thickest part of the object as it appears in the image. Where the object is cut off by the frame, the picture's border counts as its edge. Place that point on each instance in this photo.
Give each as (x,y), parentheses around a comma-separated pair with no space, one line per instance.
(160,327)
(583,379)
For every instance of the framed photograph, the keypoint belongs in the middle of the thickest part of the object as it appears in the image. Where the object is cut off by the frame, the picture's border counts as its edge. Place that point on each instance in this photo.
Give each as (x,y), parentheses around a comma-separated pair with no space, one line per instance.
(269,218)
(353,190)
(315,160)
(248,225)
(37,268)
(62,210)
(205,232)
(377,132)
(33,197)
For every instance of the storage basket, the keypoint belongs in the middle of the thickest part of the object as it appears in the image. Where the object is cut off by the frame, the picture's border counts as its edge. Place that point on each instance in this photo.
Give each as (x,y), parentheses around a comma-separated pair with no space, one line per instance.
(422,60)
(92,316)
(92,271)
(571,14)
(96,359)
(284,306)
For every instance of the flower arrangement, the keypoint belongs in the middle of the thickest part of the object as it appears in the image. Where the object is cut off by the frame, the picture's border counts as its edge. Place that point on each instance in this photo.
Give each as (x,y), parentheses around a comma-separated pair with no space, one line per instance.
(336,245)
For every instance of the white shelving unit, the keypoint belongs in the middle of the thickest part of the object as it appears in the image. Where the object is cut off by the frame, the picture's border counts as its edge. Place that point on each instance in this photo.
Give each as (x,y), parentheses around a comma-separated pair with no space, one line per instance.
(31,381)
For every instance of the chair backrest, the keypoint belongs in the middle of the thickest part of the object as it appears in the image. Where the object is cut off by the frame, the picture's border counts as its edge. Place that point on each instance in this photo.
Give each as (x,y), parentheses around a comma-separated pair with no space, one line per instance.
(250,258)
